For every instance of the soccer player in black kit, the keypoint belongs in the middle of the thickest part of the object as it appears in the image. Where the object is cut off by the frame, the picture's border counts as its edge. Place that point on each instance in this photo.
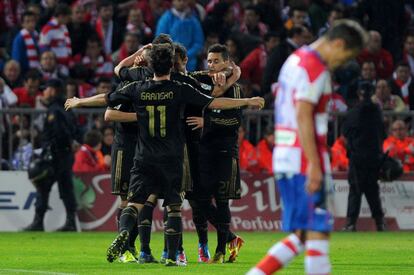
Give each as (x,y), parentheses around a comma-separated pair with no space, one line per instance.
(158,159)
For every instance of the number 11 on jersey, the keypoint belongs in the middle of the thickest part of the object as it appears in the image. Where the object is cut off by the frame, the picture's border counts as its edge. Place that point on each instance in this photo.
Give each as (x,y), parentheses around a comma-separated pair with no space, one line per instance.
(162,116)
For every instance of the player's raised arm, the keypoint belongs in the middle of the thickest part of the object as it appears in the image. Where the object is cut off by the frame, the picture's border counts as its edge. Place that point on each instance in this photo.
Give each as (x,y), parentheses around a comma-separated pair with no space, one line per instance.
(129,61)
(231,103)
(93,101)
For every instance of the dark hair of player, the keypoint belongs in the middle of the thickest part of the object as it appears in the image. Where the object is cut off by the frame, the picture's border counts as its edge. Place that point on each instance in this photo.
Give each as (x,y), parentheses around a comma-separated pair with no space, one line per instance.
(351,32)
(162,38)
(161,58)
(180,51)
(93,138)
(219,48)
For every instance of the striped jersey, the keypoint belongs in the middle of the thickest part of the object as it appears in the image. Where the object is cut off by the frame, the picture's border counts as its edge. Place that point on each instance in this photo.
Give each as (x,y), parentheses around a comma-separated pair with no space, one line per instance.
(303,77)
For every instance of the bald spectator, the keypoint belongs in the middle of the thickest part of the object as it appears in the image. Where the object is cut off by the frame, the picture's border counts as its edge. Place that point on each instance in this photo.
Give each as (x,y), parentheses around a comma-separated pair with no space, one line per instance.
(185,28)
(374,52)
(400,146)
(385,99)
(12,74)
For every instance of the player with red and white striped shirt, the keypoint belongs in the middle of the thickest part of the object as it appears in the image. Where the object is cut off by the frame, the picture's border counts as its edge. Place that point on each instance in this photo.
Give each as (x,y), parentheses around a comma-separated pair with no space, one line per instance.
(55,36)
(300,158)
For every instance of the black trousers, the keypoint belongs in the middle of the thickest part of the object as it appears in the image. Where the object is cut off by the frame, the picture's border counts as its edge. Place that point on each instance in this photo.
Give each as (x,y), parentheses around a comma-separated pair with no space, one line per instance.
(363,179)
(63,176)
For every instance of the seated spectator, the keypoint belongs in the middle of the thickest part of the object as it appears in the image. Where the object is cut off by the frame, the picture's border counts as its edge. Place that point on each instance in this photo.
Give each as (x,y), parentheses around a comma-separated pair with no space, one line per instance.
(79,29)
(385,99)
(265,151)
(104,85)
(247,153)
(12,74)
(253,65)
(136,25)
(95,59)
(89,158)
(26,95)
(55,36)
(49,68)
(25,44)
(339,158)
(374,52)
(401,84)
(131,44)
(251,23)
(108,138)
(401,146)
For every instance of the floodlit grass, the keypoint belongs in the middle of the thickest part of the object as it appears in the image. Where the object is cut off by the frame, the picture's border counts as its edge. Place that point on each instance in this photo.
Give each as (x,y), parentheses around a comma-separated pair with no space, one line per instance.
(84,253)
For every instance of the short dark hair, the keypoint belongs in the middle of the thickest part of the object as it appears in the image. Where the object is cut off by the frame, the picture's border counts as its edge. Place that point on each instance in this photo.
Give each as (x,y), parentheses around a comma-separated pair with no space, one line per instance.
(93,138)
(161,58)
(350,31)
(219,48)
(27,14)
(32,74)
(162,38)
(62,9)
(180,51)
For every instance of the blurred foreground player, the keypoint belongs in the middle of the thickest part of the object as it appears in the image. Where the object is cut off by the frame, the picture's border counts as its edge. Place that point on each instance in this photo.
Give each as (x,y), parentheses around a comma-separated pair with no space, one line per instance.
(157,170)
(58,137)
(301,158)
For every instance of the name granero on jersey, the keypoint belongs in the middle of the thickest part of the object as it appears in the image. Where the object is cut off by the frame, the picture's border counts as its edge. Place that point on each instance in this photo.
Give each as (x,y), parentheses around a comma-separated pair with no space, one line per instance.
(157,95)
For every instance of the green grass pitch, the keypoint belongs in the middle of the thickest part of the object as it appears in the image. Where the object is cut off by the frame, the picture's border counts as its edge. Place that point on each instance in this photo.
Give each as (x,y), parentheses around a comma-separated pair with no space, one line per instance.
(84,253)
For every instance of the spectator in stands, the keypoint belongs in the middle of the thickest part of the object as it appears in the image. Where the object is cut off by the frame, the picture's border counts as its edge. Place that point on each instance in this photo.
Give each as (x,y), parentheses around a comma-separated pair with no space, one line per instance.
(136,25)
(264,151)
(10,12)
(103,85)
(184,28)
(25,44)
(152,10)
(253,65)
(47,10)
(79,29)
(22,145)
(132,42)
(26,95)
(295,39)
(233,45)
(374,52)
(109,31)
(400,145)
(89,158)
(71,89)
(339,158)
(55,36)
(318,13)
(7,98)
(82,75)
(49,68)
(368,72)
(251,23)
(220,22)
(401,84)
(235,8)
(408,54)
(335,14)
(12,74)
(95,59)
(385,99)
(35,9)
(107,140)
(247,153)
(297,17)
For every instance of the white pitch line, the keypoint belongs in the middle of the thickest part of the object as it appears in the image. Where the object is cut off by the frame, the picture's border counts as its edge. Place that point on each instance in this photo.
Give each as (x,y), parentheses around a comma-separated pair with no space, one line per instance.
(33,271)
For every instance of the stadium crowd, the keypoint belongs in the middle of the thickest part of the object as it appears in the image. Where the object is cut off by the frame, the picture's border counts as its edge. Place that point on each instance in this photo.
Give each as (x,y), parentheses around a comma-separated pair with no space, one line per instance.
(80,42)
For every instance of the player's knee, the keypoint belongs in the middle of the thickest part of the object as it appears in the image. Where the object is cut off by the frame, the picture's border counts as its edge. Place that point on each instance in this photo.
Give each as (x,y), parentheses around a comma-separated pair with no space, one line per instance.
(145,215)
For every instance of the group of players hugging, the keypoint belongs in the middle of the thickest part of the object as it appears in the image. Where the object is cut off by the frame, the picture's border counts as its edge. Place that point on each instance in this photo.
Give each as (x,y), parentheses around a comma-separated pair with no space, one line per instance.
(176,137)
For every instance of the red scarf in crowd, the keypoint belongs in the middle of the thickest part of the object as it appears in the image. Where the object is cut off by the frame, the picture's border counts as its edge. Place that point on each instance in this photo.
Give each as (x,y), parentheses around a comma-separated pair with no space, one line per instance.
(31,49)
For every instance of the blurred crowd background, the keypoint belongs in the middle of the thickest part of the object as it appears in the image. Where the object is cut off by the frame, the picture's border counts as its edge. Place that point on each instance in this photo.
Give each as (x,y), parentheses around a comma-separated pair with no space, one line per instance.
(80,42)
